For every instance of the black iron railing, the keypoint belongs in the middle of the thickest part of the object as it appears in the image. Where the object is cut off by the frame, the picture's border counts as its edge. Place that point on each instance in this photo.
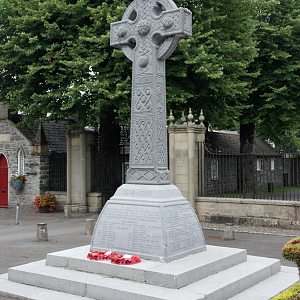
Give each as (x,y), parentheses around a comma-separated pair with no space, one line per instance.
(58,172)
(273,174)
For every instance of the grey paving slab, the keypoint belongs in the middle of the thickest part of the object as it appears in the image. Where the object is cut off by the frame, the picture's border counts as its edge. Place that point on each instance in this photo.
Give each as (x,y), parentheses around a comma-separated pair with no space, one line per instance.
(228,283)
(270,287)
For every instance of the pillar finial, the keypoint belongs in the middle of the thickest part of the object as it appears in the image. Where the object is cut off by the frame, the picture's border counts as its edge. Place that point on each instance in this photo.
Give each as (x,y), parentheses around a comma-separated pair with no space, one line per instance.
(182,119)
(171,117)
(190,116)
(201,118)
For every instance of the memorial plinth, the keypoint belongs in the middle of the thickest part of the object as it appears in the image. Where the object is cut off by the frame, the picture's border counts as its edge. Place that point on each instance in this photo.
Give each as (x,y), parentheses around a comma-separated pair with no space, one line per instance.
(148,216)
(154,222)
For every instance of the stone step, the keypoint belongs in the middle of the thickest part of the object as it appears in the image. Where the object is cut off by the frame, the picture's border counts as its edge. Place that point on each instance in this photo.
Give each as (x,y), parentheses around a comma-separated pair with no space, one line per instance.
(175,274)
(264,290)
(28,292)
(230,282)
(270,287)
(92,286)
(219,286)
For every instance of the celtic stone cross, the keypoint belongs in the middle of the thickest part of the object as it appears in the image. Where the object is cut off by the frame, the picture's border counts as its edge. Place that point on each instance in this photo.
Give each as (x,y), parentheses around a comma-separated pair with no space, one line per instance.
(148,34)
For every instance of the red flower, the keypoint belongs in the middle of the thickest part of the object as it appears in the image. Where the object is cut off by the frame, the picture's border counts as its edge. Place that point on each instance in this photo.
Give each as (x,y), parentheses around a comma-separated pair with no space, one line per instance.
(295,242)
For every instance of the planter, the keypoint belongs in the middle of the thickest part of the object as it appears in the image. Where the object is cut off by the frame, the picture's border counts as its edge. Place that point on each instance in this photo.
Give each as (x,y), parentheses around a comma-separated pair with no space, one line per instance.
(17,182)
(291,251)
(45,203)
(44,209)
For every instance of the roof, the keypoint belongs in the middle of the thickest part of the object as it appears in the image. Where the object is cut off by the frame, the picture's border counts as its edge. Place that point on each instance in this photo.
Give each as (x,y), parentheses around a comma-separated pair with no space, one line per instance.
(54,135)
(230,140)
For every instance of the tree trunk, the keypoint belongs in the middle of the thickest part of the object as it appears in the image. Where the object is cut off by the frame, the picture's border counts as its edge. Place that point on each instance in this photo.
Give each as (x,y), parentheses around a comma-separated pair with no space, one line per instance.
(247,134)
(247,163)
(109,130)
(111,162)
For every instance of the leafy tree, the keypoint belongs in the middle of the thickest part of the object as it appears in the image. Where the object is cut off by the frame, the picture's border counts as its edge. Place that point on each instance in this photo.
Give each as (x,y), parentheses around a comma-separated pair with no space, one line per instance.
(208,70)
(274,107)
(56,58)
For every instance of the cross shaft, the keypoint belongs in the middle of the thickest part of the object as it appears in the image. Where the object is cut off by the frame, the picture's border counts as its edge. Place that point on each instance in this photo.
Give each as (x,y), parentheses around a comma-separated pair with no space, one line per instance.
(148,34)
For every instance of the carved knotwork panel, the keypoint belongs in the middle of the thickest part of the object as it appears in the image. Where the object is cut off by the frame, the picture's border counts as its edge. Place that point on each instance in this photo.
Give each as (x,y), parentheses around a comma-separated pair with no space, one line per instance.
(141,153)
(143,99)
(161,142)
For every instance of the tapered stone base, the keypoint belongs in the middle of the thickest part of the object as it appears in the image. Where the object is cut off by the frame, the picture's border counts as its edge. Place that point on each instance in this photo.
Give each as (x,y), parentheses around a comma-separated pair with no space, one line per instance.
(153,221)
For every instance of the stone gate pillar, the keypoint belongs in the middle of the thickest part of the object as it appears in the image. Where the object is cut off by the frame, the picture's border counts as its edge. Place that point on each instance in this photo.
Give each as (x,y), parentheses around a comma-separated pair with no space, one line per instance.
(201,156)
(83,200)
(67,208)
(186,164)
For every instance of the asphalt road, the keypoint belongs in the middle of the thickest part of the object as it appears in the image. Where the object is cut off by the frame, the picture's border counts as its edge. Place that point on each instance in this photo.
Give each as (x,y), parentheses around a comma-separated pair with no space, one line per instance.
(18,243)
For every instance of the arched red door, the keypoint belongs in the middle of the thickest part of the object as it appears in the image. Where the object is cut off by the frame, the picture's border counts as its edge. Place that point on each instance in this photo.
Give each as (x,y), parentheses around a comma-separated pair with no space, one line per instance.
(3,182)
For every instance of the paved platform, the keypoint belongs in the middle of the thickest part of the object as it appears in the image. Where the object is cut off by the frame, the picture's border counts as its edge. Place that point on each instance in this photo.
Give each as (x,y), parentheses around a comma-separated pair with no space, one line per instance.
(20,247)
(175,274)
(216,274)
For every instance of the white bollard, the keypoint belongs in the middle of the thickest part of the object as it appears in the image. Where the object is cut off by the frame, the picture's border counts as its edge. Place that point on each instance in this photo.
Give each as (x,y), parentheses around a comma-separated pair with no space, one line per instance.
(17,215)
(67,210)
(228,232)
(89,226)
(42,234)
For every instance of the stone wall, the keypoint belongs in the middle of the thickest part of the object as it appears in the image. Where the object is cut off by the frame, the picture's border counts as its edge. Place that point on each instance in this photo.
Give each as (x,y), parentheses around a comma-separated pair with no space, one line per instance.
(11,140)
(255,212)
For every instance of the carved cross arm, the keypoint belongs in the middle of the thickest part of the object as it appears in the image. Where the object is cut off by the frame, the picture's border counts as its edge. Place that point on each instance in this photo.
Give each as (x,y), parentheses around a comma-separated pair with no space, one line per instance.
(176,24)
(121,33)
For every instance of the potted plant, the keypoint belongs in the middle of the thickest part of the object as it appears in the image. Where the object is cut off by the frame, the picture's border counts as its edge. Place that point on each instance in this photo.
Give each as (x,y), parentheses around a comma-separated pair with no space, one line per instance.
(45,203)
(17,181)
(291,251)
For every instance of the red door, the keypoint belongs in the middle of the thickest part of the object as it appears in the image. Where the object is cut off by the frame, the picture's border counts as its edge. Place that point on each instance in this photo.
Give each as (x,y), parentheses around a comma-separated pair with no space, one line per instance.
(3,182)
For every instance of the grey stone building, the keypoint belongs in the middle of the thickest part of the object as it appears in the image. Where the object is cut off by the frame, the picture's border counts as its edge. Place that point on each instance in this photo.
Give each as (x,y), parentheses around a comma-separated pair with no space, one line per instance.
(30,152)
(248,173)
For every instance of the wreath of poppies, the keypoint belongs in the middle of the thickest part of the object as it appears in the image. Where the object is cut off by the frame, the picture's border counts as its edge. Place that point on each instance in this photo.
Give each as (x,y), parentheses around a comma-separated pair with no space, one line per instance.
(114,257)
(291,251)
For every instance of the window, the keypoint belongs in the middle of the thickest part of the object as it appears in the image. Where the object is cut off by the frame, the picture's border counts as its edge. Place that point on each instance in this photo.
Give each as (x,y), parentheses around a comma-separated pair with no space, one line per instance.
(21,162)
(259,164)
(272,164)
(214,169)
